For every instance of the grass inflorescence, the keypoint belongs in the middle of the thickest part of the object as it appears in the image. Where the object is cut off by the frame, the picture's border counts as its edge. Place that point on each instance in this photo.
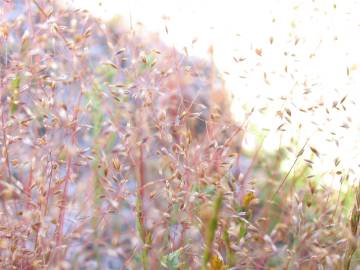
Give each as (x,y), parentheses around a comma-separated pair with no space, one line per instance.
(118,152)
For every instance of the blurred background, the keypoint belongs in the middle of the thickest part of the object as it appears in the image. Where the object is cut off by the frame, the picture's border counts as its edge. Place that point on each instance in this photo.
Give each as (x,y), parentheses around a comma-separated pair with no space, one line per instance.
(306,51)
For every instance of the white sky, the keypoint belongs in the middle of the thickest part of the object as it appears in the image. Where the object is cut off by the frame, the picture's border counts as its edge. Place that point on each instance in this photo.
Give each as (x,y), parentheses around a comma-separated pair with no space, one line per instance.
(322,39)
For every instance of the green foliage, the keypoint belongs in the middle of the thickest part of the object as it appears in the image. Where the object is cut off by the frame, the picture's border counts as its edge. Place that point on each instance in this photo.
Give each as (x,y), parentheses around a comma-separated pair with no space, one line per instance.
(107,72)
(15,93)
(94,101)
(242,229)
(172,260)
(148,62)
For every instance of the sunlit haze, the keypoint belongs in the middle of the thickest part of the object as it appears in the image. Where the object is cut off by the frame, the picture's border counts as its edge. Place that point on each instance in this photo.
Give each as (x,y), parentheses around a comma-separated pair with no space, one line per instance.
(270,49)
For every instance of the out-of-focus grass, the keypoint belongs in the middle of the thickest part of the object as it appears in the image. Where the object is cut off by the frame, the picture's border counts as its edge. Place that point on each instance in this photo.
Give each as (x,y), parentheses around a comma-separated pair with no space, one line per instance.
(121,153)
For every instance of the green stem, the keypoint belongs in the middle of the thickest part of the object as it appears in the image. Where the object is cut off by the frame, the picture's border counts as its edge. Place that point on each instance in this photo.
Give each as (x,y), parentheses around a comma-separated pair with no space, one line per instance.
(144,235)
(229,251)
(354,222)
(211,230)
